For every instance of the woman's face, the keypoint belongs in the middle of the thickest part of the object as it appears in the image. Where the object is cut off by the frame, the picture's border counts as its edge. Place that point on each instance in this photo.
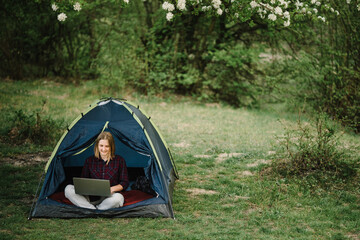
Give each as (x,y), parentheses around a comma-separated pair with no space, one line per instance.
(104,148)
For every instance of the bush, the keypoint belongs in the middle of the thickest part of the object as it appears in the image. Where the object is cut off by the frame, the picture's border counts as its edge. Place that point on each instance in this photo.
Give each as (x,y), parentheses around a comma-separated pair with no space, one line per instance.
(33,128)
(314,151)
(340,97)
(231,75)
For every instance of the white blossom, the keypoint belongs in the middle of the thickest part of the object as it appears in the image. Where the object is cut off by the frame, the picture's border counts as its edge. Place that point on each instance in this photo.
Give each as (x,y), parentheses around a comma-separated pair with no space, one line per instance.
(191,56)
(348,1)
(181,5)
(313,1)
(168,6)
(219,11)
(286,15)
(126,1)
(315,10)
(169,16)
(205,8)
(284,3)
(269,7)
(62,17)
(318,4)
(254,4)
(321,18)
(287,23)
(298,5)
(216,3)
(278,11)
(272,17)
(77,6)
(54,7)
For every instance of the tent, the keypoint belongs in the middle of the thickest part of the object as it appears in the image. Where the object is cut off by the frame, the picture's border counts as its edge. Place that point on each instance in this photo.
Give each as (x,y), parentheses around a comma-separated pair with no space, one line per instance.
(137,140)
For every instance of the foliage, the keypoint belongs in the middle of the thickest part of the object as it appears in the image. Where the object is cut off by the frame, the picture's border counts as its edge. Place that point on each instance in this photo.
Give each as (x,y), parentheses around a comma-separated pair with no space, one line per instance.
(272,12)
(340,97)
(231,75)
(32,128)
(34,44)
(199,52)
(338,91)
(26,42)
(316,153)
(319,66)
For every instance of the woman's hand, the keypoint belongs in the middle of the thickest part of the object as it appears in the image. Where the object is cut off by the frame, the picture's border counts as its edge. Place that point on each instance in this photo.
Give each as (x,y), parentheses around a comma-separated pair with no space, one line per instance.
(116,188)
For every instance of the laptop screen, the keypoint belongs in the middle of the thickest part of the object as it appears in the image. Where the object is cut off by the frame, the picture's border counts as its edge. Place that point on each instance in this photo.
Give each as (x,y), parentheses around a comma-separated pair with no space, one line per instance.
(92,187)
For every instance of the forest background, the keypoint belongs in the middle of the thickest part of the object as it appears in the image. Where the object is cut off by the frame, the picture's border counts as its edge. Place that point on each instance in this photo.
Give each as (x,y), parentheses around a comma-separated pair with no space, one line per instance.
(245,61)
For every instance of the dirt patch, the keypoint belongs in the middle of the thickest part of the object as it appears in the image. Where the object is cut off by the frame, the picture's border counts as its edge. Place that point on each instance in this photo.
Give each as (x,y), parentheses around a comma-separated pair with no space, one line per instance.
(181,145)
(244,174)
(163,104)
(258,162)
(202,156)
(214,105)
(353,236)
(200,191)
(27,159)
(247,173)
(241,197)
(223,156)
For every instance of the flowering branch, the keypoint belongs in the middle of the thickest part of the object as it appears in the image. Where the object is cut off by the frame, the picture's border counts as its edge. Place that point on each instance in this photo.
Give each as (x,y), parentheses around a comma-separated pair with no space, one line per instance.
(270,10)
(76,6)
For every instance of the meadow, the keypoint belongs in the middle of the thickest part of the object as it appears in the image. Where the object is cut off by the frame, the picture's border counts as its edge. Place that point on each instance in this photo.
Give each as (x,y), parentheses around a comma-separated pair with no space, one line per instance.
(224,157)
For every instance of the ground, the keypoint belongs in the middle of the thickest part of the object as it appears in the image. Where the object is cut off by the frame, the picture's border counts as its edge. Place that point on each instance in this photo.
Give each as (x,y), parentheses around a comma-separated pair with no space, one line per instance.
(26,159)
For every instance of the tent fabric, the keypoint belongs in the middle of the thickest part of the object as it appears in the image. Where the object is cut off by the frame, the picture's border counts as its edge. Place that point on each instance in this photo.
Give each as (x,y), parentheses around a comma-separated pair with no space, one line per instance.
(136,139)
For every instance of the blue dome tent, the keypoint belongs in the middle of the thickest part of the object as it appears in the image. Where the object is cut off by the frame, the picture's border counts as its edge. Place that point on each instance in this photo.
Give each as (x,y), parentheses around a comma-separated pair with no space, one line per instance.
(137,140)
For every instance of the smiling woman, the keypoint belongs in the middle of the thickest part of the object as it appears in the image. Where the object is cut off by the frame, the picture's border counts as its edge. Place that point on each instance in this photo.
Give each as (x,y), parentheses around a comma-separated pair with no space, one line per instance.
(105,147)
(103,165)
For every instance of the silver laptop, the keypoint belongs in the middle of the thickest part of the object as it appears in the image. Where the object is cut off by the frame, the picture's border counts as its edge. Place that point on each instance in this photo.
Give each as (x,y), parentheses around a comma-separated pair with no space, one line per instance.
(92,187)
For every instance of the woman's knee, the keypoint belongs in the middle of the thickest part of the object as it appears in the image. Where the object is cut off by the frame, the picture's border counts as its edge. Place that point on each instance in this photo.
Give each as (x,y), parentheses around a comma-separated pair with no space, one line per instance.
(118,197)
(69,190)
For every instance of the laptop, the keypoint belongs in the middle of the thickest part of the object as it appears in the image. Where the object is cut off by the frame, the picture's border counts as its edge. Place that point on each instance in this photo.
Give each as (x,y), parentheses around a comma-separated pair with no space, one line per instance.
(92,187)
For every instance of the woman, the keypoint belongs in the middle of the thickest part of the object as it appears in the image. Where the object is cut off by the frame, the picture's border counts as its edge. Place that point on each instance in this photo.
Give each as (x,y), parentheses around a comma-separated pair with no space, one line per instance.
(103,165)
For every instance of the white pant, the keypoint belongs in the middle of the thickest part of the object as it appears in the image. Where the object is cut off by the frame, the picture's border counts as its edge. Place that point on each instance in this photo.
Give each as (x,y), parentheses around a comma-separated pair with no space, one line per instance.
(114,201)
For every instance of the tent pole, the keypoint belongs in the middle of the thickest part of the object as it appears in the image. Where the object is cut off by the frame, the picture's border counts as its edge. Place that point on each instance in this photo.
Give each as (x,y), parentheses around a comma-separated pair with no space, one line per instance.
(36,194)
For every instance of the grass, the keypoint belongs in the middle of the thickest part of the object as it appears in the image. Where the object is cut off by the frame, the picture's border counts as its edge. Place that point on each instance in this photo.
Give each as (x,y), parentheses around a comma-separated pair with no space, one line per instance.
(222,193)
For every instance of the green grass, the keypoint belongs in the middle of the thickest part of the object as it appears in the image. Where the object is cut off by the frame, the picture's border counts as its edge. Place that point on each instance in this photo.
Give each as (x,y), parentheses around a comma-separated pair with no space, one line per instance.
(215,198)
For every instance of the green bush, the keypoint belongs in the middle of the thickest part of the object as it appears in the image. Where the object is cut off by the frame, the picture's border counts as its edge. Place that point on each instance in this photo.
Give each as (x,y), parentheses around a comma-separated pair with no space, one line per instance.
(33,128)
(314,150)
(340,97)
(231,75)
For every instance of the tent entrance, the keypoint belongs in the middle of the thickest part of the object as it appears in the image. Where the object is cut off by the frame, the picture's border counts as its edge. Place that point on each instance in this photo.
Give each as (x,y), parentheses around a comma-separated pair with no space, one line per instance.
(136,163)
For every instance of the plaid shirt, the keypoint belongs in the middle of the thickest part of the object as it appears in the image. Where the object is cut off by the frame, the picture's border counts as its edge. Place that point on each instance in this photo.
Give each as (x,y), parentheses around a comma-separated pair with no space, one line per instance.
(115,171)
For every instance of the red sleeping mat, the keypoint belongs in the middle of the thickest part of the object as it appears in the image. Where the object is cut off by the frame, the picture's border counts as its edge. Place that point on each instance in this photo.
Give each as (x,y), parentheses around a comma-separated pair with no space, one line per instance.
(131,197)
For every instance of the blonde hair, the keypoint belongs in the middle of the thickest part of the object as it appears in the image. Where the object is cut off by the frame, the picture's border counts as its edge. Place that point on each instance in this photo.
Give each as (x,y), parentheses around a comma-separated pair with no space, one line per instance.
(109,137)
